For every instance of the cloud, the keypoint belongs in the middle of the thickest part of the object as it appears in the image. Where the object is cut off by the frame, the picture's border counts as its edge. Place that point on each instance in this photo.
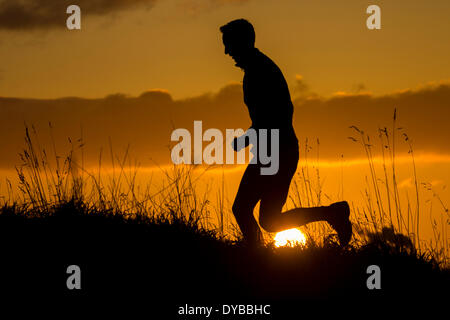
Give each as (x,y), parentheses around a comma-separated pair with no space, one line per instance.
(422,114)
(195,7)
(359,87)
(301,89)
(146,121)
(300,84)
(44,14)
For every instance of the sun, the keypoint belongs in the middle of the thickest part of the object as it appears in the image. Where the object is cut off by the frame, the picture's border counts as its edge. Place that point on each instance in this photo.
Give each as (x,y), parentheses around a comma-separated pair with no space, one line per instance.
(290,237)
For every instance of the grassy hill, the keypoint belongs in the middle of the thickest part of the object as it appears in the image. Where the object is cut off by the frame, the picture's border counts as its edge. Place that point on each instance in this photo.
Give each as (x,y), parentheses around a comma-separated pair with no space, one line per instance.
(173,261)
(155,251)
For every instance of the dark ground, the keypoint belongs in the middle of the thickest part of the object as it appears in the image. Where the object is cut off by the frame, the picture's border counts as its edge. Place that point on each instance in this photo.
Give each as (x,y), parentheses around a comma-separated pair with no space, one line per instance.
(161,265)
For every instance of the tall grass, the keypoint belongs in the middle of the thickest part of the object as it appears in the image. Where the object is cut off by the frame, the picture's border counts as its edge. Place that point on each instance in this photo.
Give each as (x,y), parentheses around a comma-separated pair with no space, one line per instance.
(390,211)
(385,214)
(46,180)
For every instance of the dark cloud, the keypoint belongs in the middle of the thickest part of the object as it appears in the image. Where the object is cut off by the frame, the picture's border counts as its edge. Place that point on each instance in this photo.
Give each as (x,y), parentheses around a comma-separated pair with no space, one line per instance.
(195,7)
(359,87)
(42,14)
(147,121)
(46,14)
(422,114)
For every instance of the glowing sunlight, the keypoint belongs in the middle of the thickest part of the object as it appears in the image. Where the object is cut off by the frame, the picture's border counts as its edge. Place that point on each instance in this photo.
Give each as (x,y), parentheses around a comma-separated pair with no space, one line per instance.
(290,237)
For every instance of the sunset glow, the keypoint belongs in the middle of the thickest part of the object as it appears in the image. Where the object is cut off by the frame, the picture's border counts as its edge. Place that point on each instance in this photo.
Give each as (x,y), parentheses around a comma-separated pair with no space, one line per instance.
(291,237)
(226,158)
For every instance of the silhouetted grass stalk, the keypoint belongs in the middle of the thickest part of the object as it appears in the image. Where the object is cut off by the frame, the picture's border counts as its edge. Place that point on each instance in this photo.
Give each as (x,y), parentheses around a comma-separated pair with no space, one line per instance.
(42,186)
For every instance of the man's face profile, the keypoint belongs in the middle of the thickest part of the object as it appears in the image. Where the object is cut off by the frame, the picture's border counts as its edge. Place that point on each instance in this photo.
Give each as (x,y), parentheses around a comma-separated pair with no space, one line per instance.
(232,47)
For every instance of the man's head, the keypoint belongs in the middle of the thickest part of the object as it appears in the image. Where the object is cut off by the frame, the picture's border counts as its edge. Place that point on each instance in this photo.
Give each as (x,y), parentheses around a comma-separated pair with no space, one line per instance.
(239,39)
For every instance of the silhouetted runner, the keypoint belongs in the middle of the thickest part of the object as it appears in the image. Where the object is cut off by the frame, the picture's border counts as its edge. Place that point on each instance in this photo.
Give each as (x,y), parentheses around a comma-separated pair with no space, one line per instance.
(268,100)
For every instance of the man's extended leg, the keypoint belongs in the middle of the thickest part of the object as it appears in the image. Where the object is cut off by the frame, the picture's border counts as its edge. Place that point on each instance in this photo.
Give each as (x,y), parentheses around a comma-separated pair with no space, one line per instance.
(274,197)
(273,220)
(337,215)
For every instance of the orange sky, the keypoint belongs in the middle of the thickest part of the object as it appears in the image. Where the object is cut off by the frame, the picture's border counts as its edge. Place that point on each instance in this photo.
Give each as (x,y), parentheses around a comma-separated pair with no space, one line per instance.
(176,45)
(339,72)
